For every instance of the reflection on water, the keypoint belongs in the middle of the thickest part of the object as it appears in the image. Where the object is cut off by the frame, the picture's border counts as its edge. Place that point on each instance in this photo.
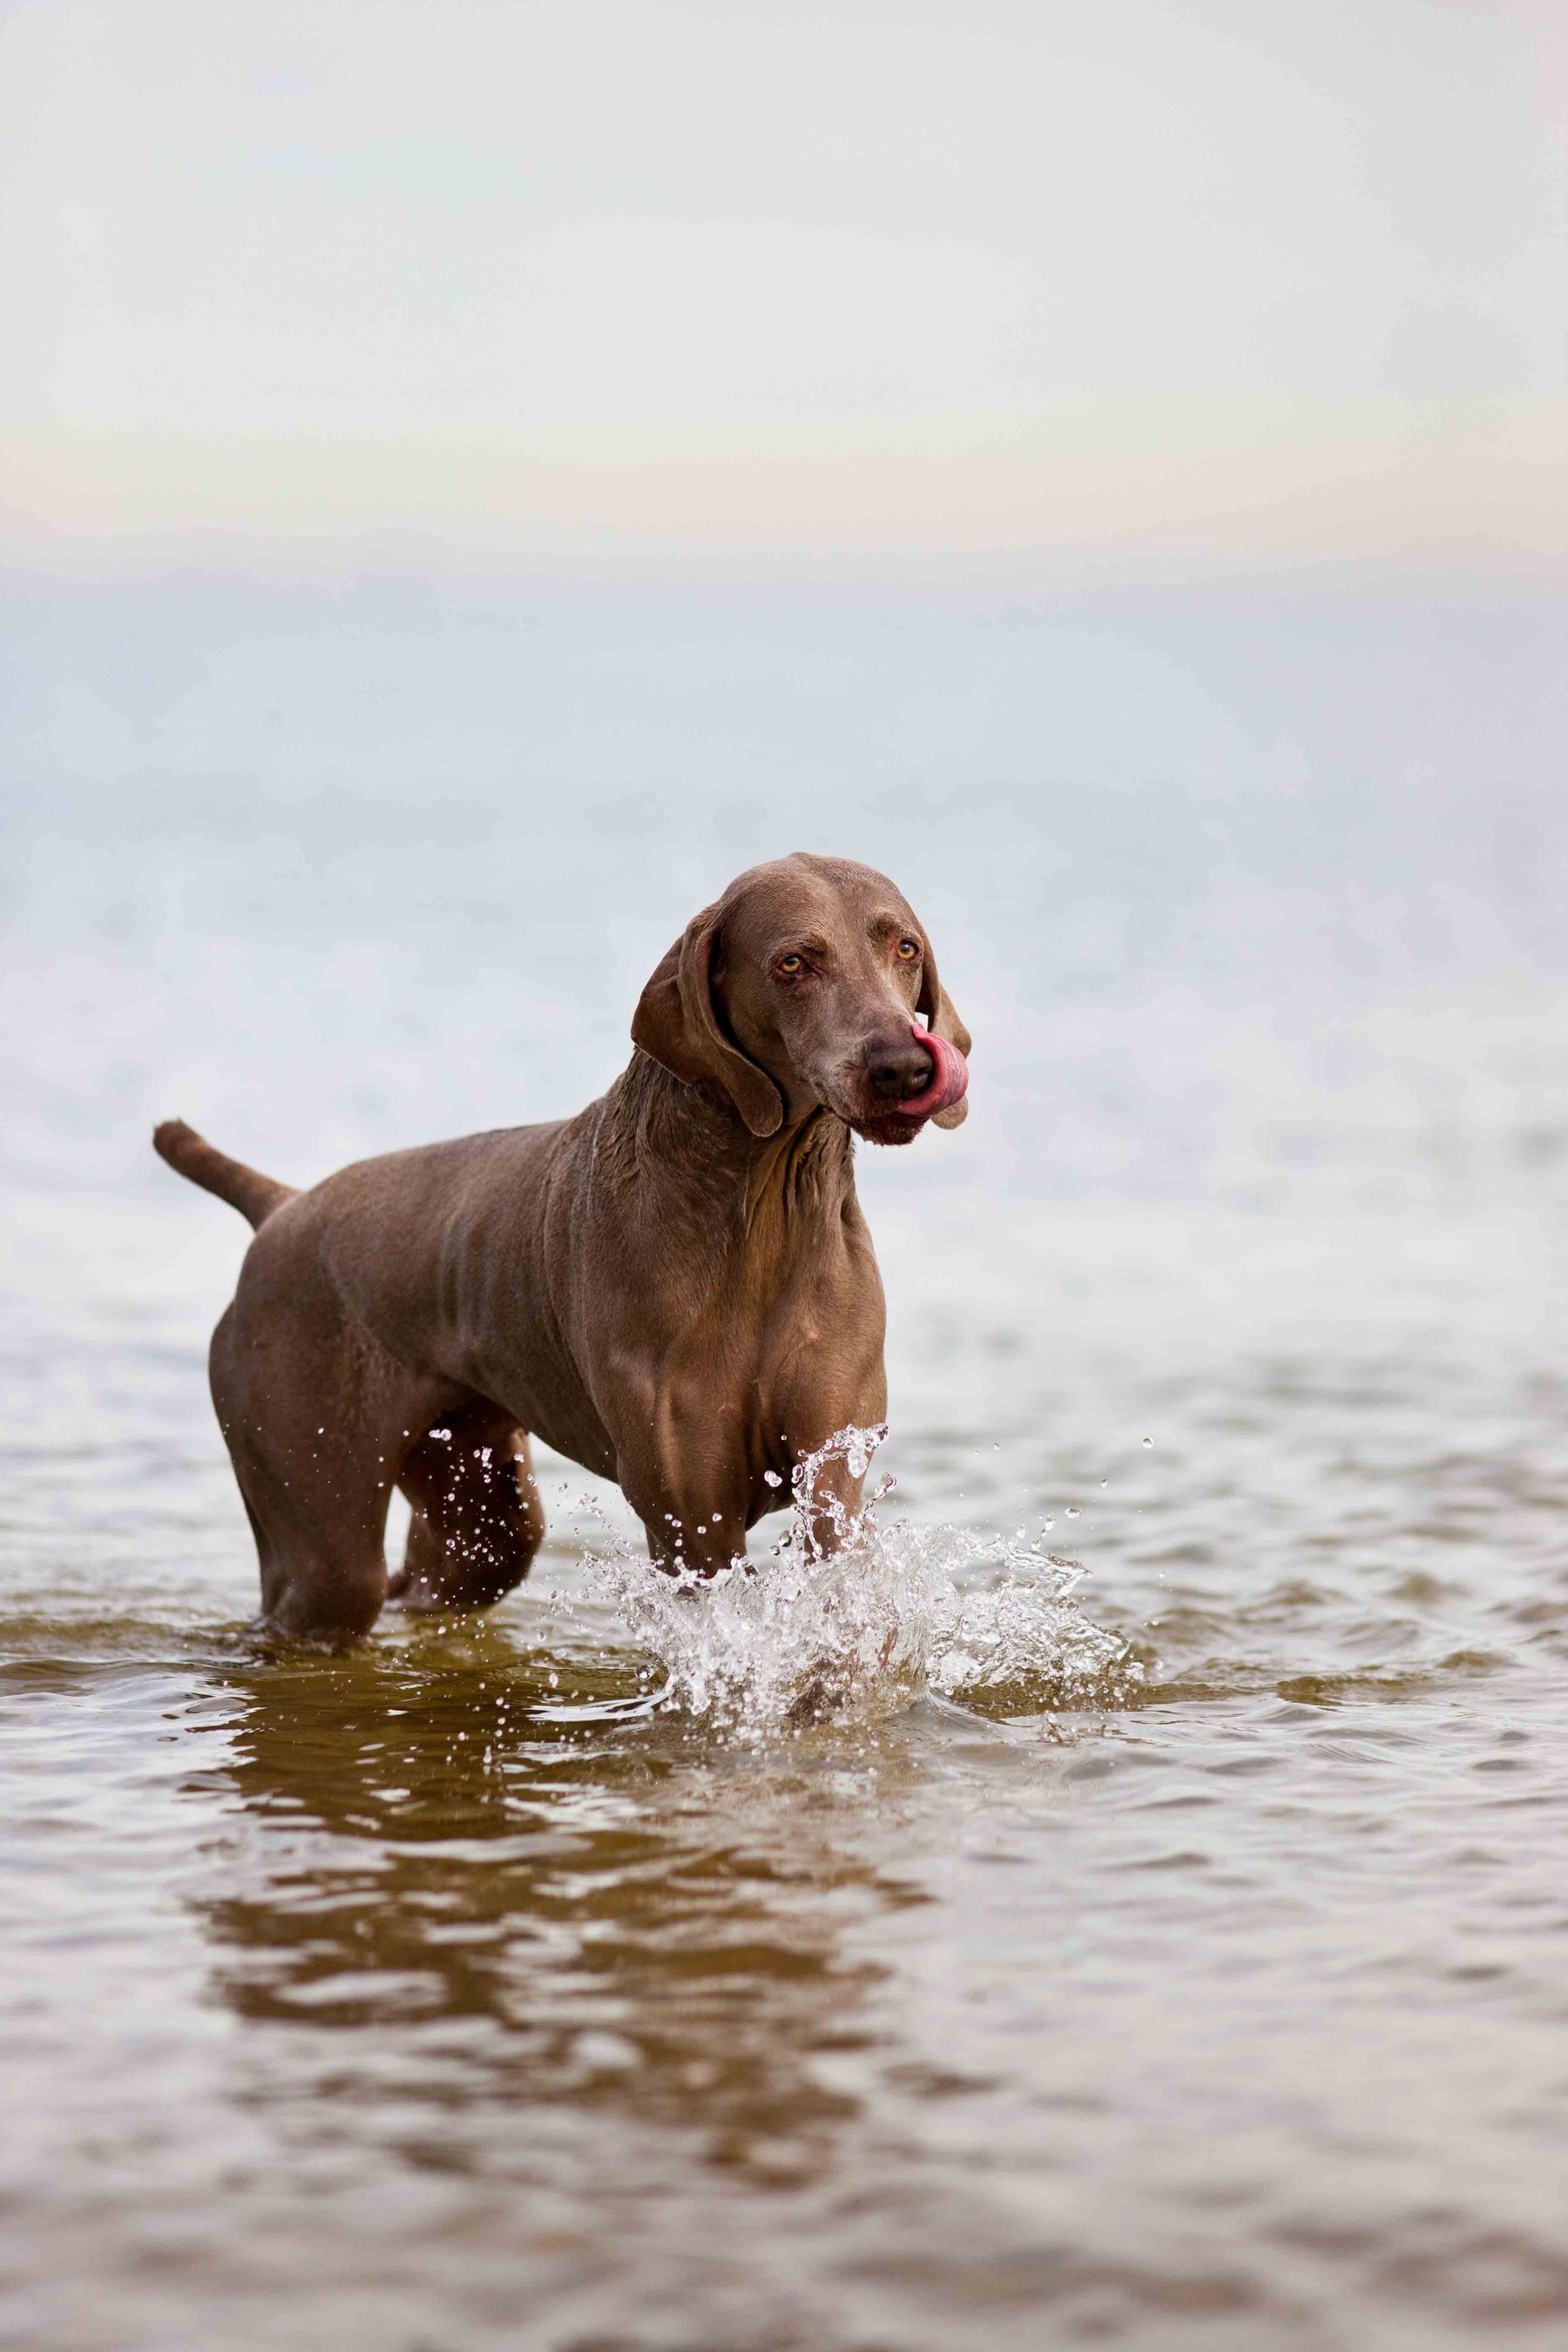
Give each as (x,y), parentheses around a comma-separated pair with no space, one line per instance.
(532,1912)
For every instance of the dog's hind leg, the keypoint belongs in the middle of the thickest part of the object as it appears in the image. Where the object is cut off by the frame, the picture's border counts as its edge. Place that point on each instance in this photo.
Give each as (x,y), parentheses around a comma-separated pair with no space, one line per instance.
(477,1520)
(314,1415)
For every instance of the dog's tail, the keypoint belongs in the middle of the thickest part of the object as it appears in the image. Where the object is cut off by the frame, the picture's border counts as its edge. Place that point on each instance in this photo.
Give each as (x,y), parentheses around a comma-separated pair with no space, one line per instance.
(244,1189)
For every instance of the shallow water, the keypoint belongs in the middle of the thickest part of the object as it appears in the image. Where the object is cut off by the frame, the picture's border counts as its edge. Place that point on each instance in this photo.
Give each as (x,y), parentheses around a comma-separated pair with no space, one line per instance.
(458,1993)
(963,1958)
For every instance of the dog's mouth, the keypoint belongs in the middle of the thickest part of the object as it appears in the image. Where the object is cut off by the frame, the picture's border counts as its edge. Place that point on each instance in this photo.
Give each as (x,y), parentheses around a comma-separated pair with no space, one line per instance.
(949,1083)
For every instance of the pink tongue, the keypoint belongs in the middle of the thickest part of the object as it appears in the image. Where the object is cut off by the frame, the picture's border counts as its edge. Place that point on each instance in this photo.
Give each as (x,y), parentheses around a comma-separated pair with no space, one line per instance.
(950,1080)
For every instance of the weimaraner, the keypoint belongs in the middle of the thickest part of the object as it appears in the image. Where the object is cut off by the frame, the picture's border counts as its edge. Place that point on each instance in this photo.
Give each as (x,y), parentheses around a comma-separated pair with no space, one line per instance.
(676,1288)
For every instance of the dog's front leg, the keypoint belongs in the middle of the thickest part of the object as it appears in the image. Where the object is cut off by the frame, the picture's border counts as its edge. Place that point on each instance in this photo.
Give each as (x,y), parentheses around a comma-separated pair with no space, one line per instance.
(690,1535)
(672,1403)
(690,1491)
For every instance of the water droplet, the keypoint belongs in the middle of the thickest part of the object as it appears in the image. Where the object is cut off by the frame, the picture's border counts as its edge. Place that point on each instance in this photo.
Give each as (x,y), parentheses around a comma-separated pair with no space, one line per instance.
(858,1618)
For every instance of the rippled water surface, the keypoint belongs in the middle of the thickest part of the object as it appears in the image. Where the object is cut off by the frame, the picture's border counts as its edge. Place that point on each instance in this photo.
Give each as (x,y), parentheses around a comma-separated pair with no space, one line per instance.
(1127,1900)
(1185,1963)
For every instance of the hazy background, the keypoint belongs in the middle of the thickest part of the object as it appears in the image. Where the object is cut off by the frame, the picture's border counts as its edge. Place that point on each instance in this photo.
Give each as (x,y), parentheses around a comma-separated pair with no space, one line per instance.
(478,474)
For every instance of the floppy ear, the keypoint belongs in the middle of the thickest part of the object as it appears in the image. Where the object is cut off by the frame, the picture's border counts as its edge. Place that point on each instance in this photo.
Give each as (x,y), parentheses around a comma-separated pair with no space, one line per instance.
(937,1006)
(678,1024)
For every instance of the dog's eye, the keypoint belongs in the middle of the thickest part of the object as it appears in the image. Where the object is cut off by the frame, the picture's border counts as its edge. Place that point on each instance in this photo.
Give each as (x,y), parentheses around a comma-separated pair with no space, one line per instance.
(907,950)
(791,963)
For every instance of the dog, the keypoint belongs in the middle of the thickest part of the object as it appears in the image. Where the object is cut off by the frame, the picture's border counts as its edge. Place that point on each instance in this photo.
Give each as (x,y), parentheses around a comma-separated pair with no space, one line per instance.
(676,1288)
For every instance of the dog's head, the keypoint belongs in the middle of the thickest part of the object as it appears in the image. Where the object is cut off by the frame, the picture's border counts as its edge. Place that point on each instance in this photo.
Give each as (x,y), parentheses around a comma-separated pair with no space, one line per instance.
(802,986)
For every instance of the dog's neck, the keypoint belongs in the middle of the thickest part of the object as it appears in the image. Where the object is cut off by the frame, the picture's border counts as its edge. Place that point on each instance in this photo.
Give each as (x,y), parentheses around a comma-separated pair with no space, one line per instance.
(756,1189)
(803,1174)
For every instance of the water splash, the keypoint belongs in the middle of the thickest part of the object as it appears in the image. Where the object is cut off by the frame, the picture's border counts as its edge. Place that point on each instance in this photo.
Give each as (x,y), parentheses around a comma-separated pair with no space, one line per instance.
(849,1616)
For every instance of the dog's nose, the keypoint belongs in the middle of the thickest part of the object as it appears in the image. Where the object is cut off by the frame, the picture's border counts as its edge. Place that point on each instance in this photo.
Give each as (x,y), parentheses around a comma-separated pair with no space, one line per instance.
(897,1068)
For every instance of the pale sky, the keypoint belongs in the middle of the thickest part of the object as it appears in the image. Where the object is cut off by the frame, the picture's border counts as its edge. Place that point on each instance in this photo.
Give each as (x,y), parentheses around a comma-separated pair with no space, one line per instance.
(605,281)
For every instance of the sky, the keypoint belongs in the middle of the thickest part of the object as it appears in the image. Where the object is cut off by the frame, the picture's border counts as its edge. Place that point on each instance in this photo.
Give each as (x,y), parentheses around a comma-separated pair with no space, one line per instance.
(467,461)
(614,285)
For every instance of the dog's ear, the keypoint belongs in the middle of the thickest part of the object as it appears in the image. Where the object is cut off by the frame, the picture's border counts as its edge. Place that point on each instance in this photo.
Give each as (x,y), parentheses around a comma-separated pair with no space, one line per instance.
(680,1023)
(937,1006)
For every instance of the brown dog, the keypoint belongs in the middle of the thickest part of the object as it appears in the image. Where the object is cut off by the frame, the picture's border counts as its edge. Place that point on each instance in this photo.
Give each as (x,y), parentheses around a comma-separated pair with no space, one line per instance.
(676,1288)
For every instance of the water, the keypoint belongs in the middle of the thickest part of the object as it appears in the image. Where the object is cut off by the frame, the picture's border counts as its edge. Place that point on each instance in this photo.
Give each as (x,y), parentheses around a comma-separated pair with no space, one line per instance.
(1124,1901)
(863,1625)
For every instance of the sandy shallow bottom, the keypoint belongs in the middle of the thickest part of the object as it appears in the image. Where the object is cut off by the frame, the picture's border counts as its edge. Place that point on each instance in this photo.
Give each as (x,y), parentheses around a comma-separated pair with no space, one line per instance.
(458,1994)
